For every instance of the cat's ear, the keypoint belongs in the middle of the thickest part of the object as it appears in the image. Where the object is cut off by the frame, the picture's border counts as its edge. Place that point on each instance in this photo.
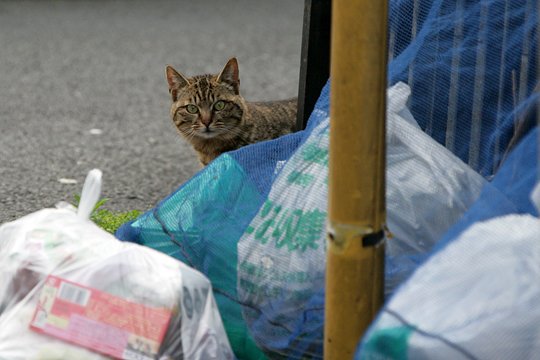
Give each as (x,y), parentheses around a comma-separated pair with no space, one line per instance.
(176,82)
(229,75)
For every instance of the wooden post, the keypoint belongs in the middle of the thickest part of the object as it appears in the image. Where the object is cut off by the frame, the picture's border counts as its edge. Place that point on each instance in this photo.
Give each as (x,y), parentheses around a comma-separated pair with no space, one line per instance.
(355,259)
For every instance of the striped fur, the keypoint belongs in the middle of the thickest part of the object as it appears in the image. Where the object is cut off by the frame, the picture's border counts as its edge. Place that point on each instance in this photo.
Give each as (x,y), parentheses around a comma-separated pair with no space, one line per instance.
(213,129)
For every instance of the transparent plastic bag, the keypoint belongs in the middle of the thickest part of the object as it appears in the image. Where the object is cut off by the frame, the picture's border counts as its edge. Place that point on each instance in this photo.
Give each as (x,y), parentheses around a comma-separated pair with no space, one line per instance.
(282,254)
(428,189)
(70,290)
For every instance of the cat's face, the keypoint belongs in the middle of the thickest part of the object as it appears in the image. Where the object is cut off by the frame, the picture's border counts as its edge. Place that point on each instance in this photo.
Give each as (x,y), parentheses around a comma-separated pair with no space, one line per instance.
(207,106)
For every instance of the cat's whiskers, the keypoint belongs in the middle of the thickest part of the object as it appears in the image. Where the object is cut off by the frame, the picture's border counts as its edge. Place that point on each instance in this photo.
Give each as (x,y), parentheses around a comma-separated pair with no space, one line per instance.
(234,134)
(234,122)
(190,134)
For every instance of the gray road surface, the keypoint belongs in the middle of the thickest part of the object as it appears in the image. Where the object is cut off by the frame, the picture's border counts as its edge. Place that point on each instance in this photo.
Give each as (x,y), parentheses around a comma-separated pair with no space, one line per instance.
(70,67)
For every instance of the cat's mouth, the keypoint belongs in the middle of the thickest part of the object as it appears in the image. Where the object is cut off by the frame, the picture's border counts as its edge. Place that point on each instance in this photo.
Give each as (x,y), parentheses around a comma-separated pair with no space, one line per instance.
(207,133)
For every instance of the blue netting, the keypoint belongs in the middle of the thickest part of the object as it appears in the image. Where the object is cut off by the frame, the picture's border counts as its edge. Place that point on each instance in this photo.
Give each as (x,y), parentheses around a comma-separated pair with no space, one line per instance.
(405,327)
(472,69)
(509,191)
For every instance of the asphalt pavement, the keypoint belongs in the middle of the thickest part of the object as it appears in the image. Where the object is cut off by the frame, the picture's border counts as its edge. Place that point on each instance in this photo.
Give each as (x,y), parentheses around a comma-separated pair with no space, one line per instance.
(82,86)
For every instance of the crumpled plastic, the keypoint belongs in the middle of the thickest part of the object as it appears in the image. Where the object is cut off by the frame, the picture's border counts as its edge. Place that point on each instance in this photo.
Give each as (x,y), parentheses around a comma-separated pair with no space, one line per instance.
(475,299)
(428,189)
(282,253)
(70,290)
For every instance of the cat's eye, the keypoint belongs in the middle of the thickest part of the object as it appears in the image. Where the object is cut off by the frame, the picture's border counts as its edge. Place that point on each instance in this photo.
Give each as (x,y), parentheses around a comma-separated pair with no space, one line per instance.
(220,105)
(192,109)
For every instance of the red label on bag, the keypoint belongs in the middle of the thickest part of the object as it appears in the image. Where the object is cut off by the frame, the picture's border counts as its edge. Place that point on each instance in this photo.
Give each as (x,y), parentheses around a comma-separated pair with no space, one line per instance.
(99,321)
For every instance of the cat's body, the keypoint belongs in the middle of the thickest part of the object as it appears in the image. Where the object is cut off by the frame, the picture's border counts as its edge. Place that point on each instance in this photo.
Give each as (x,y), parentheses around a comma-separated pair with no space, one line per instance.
(210,113)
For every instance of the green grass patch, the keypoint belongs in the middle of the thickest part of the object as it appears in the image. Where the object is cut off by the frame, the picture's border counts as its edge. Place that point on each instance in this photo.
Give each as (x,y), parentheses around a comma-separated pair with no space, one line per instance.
(109,220)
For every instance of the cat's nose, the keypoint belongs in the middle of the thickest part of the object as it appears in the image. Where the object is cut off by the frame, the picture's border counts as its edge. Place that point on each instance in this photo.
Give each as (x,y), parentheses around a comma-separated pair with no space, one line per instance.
(206,119)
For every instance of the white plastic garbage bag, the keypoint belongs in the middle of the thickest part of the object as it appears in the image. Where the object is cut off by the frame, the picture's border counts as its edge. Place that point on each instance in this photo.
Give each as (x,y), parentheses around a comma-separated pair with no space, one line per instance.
(476,299)
(282,254)
(428,189)
(69,290)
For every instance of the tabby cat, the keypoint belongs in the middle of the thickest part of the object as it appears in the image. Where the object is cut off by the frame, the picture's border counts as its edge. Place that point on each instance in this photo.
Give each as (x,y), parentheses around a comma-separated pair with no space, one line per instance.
(210,113)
